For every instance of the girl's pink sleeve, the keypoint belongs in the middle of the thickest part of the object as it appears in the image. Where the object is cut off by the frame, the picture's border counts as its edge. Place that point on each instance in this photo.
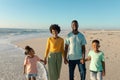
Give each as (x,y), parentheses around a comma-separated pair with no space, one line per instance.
(38,59)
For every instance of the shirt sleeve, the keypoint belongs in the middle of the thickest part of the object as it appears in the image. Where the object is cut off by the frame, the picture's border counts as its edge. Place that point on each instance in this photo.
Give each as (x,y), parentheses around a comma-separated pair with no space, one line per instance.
(67,40)
(47,47)
(83,40)
(62,48)
(38,59)
(89,54)
(103,58)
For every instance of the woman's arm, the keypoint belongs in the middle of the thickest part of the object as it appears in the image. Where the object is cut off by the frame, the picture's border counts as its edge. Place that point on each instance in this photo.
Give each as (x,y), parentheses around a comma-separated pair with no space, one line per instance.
(47,51)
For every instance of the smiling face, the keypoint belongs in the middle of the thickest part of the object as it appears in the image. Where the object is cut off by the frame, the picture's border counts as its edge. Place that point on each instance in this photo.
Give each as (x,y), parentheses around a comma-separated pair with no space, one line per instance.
(74,26)
(31,53)
(95,46)
(54,33)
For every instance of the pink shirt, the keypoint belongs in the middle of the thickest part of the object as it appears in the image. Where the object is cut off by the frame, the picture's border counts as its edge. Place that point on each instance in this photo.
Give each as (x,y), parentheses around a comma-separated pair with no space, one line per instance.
(31,64)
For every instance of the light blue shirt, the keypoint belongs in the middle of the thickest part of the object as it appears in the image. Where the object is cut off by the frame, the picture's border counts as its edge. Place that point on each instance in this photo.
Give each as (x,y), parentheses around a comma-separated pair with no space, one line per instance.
(75,42)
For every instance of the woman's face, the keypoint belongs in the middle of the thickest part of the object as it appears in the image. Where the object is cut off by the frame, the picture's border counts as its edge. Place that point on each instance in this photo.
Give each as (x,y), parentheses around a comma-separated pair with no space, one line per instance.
(54,32)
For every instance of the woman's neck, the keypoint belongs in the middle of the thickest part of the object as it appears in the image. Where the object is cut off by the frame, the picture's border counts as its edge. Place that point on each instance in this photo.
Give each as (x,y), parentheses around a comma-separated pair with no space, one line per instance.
(55,37)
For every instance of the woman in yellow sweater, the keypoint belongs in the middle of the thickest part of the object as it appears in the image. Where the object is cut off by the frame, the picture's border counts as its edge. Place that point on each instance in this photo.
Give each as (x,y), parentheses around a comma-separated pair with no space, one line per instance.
(54,52)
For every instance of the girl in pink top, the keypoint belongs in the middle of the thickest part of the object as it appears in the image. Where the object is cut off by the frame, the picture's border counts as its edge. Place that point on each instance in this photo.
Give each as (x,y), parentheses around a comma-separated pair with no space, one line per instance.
(30,63)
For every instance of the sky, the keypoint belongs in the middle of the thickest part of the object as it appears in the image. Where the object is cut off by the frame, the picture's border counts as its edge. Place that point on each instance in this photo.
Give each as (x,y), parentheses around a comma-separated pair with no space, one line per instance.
(40,14)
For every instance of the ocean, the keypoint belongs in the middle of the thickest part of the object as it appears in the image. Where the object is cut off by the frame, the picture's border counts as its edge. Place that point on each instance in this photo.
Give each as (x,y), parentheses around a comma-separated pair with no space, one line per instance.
(9,36)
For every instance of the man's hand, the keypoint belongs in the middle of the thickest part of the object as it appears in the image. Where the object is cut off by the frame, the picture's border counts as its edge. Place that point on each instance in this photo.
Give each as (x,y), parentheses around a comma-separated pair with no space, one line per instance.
(65,61)
(82,61)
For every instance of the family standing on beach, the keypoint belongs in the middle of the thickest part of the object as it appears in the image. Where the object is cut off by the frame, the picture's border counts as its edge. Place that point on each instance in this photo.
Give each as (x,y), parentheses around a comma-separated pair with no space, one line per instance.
(73,54)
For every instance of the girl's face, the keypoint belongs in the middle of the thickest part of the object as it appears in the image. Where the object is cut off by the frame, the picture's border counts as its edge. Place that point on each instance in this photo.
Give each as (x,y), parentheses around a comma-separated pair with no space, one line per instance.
(31,53)
(95,46)
(54,32)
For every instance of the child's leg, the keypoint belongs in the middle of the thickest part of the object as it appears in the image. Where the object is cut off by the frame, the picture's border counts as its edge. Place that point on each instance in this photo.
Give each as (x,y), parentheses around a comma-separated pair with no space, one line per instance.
(99,75)
(34,78)
(93,75)
(28,77)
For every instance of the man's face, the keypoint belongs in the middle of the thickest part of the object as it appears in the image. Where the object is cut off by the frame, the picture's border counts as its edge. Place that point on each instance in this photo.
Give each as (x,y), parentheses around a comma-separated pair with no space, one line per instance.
(74,26)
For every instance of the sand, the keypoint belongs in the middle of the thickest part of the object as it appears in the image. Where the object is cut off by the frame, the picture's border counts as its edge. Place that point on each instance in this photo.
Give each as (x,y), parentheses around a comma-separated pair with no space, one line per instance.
(109,41)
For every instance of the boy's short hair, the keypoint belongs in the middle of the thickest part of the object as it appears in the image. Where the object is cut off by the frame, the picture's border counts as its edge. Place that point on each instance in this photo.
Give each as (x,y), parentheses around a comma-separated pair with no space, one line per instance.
(75,21)
(96,41)
(54,27)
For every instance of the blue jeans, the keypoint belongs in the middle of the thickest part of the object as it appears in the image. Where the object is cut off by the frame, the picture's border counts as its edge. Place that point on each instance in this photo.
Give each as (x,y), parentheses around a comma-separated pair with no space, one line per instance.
(81,67)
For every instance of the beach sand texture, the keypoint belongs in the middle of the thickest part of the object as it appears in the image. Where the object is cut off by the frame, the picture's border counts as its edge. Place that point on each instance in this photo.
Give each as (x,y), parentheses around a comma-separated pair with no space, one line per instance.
(11,65)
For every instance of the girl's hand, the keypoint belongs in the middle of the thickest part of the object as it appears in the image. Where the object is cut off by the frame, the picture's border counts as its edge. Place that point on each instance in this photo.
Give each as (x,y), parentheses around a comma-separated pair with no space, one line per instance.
(45,61)
(24,72)
(42,60)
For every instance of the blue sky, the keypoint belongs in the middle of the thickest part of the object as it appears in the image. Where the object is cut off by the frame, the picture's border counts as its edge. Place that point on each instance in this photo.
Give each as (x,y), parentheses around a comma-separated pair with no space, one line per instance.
(40,14)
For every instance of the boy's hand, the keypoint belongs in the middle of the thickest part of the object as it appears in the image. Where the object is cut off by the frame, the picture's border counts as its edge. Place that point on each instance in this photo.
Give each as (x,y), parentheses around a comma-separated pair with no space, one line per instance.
(103,73)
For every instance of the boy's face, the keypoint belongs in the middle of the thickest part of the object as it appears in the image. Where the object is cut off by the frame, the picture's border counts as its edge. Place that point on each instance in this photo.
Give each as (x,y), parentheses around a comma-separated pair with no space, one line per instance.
(95,46)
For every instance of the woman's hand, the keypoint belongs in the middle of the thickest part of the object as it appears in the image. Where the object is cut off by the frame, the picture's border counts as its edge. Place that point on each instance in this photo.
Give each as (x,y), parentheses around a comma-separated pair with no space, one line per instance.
(45,61)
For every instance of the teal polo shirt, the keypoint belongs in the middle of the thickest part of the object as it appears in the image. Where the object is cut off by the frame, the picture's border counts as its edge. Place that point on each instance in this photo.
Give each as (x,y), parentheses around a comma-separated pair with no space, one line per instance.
(75,42)
(96,60)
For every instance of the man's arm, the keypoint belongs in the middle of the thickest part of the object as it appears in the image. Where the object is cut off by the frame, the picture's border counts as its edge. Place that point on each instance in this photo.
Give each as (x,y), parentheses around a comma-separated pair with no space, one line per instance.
(83,54)
(65,54)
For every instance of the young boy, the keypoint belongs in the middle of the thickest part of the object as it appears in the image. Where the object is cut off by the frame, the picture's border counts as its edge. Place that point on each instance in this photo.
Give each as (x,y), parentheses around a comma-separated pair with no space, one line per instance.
(97,64)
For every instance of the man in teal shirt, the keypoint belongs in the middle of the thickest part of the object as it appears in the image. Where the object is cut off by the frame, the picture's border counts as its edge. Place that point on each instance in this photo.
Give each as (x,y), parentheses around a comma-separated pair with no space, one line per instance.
(75,43)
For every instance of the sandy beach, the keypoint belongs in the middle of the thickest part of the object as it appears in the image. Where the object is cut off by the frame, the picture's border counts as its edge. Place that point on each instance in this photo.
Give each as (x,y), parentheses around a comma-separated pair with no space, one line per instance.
(109,41)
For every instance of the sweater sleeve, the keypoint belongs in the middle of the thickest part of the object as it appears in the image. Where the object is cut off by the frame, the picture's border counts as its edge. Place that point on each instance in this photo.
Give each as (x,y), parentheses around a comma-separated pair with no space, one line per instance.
(62,48)
(47,48)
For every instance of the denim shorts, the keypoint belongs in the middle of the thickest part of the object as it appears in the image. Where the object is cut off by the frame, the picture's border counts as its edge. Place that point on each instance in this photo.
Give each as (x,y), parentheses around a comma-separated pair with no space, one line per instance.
(30,75)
